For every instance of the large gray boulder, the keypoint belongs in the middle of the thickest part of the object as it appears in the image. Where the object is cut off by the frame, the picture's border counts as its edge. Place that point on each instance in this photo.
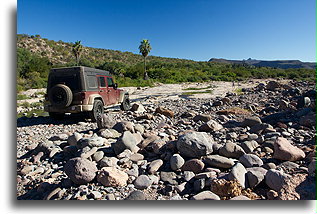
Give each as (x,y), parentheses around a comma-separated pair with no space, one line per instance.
(126,141)
(194,144)
(80,170)
(275,179)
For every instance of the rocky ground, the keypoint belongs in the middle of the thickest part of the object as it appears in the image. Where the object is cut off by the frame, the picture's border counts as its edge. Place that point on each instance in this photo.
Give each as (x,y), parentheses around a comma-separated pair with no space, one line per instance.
(258,145)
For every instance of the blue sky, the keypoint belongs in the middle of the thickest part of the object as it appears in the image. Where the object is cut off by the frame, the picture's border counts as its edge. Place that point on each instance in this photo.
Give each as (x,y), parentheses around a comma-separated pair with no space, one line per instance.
(190,29)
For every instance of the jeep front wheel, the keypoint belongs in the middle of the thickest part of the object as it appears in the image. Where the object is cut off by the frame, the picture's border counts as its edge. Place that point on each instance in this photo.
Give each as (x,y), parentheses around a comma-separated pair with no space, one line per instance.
(125,105)
(97,110)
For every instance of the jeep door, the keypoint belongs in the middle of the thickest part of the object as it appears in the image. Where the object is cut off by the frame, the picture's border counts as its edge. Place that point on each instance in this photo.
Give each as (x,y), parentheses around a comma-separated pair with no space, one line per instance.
(113,95)
(102,89)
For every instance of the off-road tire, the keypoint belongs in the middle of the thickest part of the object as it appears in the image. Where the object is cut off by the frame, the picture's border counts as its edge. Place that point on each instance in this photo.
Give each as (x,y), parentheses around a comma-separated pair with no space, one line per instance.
(97,110)
(56,116)
(125,105)
(60,96)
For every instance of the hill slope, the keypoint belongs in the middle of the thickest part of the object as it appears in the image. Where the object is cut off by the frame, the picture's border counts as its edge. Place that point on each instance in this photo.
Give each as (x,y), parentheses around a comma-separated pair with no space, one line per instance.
(60,52)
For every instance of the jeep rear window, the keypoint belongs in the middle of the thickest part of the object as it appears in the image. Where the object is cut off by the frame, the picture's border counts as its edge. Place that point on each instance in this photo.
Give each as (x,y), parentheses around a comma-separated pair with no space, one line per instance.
(92,81)
(72,81)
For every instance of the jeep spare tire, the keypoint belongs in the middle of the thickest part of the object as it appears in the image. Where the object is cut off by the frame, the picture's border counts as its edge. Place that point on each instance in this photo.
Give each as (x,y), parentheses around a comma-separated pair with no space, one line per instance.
(60,96)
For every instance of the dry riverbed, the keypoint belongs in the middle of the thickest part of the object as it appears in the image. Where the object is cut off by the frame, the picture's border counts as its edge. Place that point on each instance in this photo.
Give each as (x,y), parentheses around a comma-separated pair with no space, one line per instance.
(255,141)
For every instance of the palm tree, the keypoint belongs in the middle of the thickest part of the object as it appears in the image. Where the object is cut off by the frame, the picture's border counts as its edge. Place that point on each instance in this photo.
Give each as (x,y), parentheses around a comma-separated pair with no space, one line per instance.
(145,49)
(77,50)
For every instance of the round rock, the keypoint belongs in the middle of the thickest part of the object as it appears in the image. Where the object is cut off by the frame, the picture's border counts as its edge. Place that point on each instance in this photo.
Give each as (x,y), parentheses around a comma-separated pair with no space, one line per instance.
(80,171)
(193,165)
(176,162)
(194,144)
(142,182)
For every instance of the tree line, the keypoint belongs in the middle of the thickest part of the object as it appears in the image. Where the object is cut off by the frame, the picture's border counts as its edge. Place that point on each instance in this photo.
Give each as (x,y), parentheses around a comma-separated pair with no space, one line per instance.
(33,69)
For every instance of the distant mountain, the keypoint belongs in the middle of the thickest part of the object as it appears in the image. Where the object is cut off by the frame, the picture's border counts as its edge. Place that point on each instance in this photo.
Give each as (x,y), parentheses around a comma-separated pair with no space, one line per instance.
(284,64)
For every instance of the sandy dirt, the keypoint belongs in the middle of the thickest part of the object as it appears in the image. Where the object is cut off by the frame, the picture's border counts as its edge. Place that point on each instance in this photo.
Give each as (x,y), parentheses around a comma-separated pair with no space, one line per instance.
(172,91)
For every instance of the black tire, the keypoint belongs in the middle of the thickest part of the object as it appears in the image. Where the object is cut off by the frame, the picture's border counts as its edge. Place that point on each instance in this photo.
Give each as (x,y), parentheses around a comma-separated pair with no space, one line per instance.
(56,116)
(125,105)
(60,96)
(97,110)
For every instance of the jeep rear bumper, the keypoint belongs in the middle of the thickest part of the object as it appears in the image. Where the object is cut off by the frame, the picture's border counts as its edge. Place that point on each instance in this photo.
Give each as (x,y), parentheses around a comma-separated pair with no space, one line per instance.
(69,109)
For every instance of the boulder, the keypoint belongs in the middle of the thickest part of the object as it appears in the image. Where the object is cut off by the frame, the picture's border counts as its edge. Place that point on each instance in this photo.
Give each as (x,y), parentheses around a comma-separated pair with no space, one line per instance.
(238,172)
(231,150)
(112,177)
(205,195)
(138,108)
(154,166)
(73,139)
(124,126)
(105,121)
(251,121)
(142,182)
(80,170)
(284,150)
(275,179)
(240,198)
(91,142)
(164,111)
(136,195)
(202,117)
(210,126)
(255,175)
(250,160)
(109,133)
(193,165)
(194,144)
(272,85)
(249,146)
(218,161)
(126,141)
(176,162)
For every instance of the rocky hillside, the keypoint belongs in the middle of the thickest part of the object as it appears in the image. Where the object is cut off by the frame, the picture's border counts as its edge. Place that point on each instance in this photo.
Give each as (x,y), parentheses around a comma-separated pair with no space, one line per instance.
(60,52)
(255,145)
(284,64)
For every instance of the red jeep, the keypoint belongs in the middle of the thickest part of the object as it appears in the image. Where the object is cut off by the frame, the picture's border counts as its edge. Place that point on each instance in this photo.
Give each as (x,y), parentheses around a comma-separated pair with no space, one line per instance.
(82,89)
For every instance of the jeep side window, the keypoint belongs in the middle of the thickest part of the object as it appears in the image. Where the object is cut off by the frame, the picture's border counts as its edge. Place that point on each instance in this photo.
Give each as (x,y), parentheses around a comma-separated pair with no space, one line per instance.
(110,82)
(92,83)
(102,82)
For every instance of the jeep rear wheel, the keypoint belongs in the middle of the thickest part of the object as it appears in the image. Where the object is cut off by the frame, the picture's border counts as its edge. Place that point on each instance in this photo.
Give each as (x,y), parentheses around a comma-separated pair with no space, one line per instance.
(60,96)
(97,110)
(125,105)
